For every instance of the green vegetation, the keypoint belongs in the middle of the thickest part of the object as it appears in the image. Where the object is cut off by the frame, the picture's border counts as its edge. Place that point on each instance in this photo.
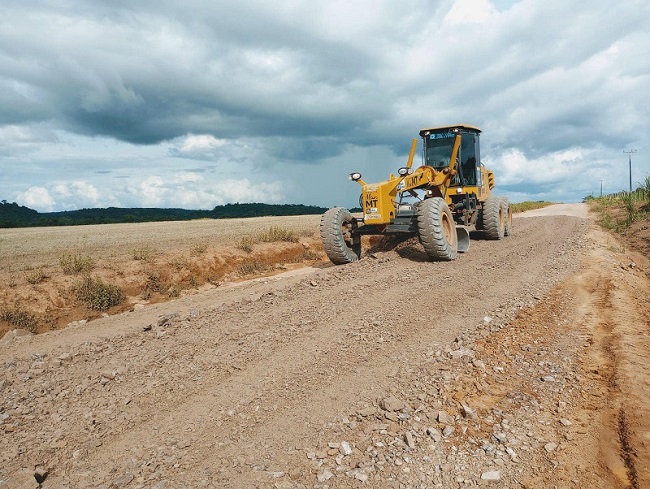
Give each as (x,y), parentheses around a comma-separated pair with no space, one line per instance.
(97,295)
(19,318)
(74,264)
(529,205)
(12,215)
(618,211)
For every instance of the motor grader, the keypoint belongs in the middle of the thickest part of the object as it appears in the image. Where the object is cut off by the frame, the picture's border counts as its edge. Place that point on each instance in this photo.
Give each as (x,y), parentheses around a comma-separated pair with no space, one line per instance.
(440,201)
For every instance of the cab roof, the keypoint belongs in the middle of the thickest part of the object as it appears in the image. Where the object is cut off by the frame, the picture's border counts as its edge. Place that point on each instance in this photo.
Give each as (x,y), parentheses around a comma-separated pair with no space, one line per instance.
(453,126)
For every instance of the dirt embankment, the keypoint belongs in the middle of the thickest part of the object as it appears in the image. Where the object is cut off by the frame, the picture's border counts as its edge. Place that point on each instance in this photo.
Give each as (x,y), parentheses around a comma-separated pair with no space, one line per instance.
(521,364)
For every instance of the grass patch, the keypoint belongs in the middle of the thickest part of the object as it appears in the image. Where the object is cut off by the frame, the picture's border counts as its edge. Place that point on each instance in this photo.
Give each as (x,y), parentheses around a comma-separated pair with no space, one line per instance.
(36,276)
(98,295)
(618,211)
(274,234)
(20,318)
(277,233)
(529,205)
(252,266)
(143,253)
(75,264)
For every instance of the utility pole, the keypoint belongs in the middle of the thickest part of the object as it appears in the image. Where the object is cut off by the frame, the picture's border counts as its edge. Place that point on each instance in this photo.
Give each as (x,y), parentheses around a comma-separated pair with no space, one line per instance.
(629,154)
(601,187)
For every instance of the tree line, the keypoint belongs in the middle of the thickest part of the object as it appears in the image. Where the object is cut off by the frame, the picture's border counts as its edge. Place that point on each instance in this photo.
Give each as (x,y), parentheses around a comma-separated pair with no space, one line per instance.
(13,215)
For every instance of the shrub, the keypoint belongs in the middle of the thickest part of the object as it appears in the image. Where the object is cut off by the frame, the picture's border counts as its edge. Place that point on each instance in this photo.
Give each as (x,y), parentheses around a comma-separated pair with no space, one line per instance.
(252,266)
(198,248)
(246,244)
(645,188)
(20,318)
(97,295)
(36,276)
(74,264)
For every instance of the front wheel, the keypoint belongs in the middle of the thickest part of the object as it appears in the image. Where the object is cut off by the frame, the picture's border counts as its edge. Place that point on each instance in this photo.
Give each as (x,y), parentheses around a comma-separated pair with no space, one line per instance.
(493,219)
(437,229)
(341,244)
(507,216)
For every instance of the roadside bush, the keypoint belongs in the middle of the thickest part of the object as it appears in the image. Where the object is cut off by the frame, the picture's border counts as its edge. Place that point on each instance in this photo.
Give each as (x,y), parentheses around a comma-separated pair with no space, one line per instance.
(74,264)
(97,295)
(645,187)
(251,266)
(35,276)
(155,284)
(20,318)
(246,244)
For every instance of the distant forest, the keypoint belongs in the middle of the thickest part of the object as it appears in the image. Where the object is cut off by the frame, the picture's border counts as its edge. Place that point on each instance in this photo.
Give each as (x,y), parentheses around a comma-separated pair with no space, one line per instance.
(13,215)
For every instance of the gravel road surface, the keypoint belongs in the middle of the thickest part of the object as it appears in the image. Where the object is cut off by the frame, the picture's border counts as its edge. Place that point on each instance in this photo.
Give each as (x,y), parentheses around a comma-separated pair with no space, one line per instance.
(494,369)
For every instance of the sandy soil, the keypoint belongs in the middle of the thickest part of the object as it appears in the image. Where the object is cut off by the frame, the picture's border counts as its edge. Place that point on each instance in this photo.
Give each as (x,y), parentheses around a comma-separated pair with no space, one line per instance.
(521,364)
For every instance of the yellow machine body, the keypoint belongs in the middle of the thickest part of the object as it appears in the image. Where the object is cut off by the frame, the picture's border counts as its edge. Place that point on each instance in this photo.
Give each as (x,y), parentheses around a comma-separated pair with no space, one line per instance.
(380,201)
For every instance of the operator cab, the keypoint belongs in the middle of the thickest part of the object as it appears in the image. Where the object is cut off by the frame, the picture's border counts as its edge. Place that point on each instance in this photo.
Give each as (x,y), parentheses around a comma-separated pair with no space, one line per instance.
(439,145)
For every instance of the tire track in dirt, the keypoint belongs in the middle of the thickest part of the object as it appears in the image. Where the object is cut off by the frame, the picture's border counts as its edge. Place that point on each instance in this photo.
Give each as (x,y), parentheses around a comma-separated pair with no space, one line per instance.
(613,291)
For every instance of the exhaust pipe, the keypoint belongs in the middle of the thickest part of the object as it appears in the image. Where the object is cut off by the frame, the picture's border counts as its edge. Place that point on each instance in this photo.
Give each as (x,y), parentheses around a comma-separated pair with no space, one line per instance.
(462,238)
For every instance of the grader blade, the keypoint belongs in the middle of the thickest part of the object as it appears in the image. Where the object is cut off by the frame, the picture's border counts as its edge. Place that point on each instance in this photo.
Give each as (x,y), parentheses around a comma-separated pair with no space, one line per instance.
(462,236)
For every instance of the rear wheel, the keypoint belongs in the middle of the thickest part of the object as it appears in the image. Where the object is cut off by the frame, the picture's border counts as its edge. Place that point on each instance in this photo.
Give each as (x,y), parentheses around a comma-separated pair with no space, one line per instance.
(493,218)
(507,216)
(336,232)
(437,229)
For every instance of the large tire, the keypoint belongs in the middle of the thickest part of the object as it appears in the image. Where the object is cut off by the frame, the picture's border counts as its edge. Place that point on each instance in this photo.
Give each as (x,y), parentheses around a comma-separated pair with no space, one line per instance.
(437,229)
(493,218)
(507,216)
(340,245)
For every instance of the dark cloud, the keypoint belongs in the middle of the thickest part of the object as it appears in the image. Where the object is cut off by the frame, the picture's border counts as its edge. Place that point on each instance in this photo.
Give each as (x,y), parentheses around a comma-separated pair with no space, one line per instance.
(303,83)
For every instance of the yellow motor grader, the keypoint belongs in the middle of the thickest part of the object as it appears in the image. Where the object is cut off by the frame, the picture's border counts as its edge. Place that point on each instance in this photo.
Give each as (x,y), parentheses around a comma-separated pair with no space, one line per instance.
(440,201)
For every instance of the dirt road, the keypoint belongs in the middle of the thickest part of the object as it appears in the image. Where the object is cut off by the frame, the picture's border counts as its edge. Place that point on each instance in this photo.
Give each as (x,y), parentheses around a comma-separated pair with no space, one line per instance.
(521,364)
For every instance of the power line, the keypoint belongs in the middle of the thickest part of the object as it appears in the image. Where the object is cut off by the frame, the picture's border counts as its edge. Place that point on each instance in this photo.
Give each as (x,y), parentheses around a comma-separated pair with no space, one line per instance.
(629,154)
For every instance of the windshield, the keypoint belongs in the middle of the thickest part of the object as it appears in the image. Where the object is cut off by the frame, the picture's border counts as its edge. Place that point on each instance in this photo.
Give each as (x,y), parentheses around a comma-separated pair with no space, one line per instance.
(438,148)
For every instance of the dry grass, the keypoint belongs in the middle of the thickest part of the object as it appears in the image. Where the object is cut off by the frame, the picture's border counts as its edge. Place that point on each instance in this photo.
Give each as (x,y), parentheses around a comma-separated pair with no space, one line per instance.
(74,264)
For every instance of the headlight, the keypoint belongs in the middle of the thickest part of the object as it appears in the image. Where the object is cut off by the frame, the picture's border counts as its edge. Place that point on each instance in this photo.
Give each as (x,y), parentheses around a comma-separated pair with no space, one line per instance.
(405,170)
(355,176)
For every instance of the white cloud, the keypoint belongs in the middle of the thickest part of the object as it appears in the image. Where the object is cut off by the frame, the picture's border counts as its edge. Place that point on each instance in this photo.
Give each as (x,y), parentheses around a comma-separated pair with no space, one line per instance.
(514,167)
(37,198)
(198,143)
(470,12)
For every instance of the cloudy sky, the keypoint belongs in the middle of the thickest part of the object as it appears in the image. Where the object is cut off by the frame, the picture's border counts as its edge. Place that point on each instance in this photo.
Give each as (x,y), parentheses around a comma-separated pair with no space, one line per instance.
(172,103)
